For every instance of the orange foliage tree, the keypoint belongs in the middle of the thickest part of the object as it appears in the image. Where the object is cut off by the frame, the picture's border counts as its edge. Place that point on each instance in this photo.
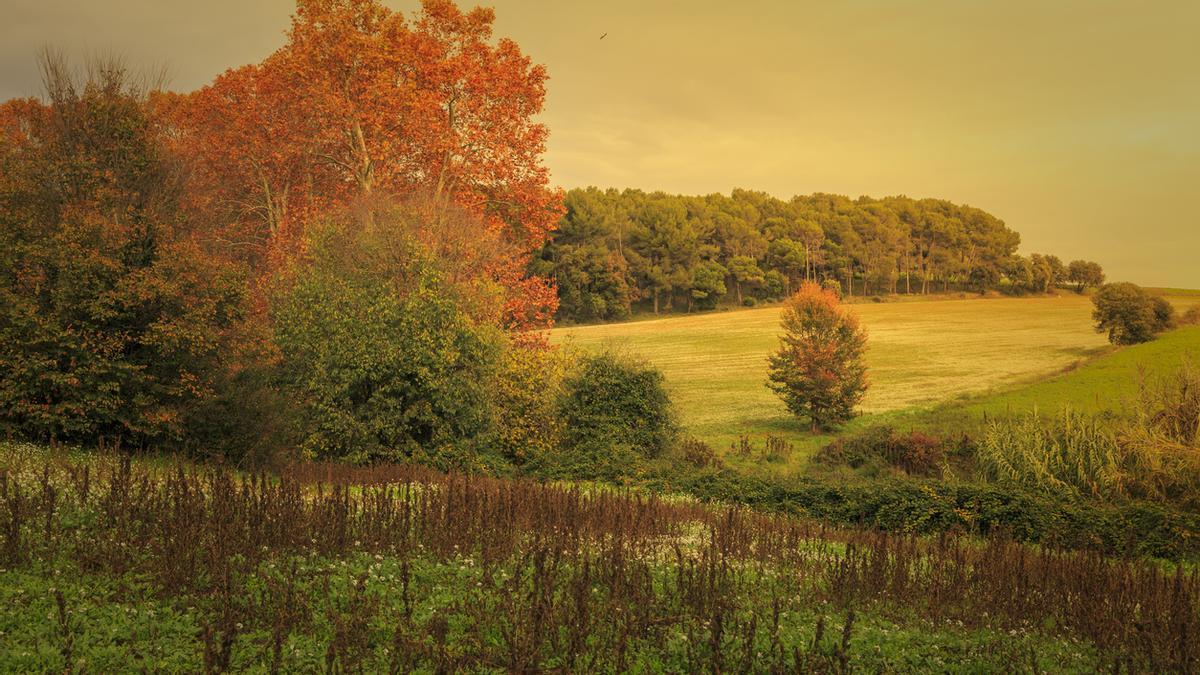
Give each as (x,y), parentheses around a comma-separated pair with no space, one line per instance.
(818,369)
(363,106)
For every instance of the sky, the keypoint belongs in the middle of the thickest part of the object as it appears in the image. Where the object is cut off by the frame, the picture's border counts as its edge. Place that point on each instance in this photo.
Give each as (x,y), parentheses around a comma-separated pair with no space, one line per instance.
(1078,123)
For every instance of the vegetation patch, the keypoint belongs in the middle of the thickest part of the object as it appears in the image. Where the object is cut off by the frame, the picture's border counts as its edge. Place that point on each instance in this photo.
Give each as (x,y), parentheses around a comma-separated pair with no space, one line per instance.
(396,567)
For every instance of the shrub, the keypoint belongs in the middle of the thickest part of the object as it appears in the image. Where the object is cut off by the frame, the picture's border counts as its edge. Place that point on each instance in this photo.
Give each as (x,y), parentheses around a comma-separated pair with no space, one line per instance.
(915,453)
(1069,452)
(113,323)
(1129,314)
(1191,317)
(1164,436)
(697,453)
(910,507)
(526,391)
(818,370)
(381,371)
(612,401)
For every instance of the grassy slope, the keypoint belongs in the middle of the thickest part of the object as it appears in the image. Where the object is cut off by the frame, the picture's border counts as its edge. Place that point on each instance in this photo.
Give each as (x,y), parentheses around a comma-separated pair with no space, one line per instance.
(922,354)
(1103,384)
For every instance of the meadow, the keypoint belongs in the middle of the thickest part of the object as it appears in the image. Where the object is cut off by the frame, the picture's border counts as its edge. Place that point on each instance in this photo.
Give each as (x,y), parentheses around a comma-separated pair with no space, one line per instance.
(924,356)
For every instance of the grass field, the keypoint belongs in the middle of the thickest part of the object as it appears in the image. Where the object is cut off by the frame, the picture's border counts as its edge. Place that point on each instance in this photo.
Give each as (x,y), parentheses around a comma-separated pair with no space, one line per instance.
(921,356)
(1106,383)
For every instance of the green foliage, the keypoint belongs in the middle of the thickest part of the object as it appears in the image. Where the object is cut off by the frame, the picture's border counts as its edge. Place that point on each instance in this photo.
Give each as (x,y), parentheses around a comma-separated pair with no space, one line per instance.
(1069,452)
(1134,528)
(708,284)
(1155,454)
(1164,435)
(747,275)
(696,453)
(528,386)
(1085,274)
(614,404)
(399,569)
(383,361)
(818,370)
(1130,314)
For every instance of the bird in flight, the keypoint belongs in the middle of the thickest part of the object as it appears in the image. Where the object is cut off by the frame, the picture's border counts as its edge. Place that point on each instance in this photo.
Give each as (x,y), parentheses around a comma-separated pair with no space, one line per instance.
(604,36)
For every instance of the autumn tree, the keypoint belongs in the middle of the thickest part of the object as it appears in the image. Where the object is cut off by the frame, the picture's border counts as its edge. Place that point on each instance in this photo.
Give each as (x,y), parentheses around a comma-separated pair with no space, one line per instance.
(362,107)
(114,322)
(818,370)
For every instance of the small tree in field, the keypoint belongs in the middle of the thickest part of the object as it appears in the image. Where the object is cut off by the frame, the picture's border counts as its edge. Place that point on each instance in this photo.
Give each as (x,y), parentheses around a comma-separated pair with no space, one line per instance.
(818,370)
(1130,314)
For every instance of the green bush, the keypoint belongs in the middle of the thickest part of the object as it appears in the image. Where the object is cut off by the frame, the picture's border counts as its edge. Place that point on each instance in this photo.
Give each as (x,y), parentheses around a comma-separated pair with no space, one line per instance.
(526,391)
(697,453)
(1067,452)
(833,286)
(1153,454)
(384,375)
(611,401)
(1129,314)
(923,508)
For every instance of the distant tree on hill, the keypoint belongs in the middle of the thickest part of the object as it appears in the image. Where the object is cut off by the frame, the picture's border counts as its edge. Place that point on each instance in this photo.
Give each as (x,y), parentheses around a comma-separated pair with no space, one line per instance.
(1085,274)
(1130,314)
(818,370)
(746,274)
(1048,271)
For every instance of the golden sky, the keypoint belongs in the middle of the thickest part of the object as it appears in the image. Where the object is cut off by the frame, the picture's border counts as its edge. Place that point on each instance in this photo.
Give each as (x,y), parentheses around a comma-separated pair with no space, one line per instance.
(1078,123)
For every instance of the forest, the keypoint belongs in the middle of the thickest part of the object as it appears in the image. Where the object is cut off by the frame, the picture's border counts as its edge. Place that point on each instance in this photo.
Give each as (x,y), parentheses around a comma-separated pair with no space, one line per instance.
(617,252)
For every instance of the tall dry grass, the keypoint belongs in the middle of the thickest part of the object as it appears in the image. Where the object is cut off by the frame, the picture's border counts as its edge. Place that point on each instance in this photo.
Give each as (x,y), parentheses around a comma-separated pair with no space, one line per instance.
(585,575)
(1151,451)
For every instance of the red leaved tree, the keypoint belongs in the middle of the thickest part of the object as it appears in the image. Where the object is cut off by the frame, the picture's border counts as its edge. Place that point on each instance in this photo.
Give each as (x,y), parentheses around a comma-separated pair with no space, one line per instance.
(363,108)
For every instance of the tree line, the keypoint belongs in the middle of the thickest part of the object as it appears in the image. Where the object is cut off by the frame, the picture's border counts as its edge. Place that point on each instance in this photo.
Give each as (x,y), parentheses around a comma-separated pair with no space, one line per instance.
(616,252)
